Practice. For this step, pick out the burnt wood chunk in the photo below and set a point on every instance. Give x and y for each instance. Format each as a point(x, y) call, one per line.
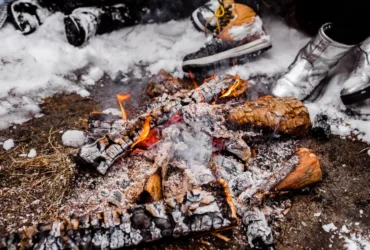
point(285, 115)
point(204, 209)
point(164, 82)
point(306, 173)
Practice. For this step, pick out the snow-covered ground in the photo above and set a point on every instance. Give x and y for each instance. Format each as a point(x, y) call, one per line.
point(42, 64)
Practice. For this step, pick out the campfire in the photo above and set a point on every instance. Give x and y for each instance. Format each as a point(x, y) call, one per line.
point(199, 159)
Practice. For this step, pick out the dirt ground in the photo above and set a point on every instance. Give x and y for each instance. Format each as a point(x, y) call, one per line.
point(344, 191)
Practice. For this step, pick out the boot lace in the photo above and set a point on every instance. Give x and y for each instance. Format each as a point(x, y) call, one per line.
point(222, 15)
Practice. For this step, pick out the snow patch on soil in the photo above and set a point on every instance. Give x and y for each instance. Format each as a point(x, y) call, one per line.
point(329, 227)
point(8, 144)
point(357, 242)
point(73, 138)
point(32, 153)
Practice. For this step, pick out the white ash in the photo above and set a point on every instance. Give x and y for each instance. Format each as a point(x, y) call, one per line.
point(257, 228)
point(8, 144)
point(73, 138)
point(272, 153)
point(228, 167)
point(120, 187)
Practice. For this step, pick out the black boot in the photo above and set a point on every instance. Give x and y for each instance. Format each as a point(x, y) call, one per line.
point(83, 23)
point(27, 16)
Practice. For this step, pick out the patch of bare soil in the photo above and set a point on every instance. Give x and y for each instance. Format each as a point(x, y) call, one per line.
point(32, 190)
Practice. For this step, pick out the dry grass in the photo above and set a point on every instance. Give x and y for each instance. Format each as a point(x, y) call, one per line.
point(37, 185)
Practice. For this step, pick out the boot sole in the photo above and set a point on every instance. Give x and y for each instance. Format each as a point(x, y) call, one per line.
point(73, 32)
point(238, 55)
point(356, 97)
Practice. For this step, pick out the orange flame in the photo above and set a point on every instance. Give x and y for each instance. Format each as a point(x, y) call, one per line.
point(144, 132)
point(121, 98)
point(193, 79)
point(231, 88)
point(210, 78)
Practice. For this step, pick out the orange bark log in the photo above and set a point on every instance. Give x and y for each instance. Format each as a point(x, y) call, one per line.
point(284, 115)
point(307, 172)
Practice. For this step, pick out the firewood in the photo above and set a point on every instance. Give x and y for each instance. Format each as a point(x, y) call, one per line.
point(164, 82)
point(284, 115)
point(306, 173)
point(207, 209)
point(102, 153)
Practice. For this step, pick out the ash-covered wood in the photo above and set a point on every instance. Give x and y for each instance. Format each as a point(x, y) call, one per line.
point(100, 124)
point(285, 115)
point(102, 153)
point(164, 82)
point(201, 210)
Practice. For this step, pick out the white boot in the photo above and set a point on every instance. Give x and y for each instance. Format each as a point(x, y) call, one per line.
point(311, 66)
point(357, 87)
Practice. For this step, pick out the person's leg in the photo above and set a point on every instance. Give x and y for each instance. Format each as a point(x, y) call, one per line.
point(322, 53)
point(355, 30)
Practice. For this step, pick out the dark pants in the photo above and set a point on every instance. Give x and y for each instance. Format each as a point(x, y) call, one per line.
point(350, 18)
point(140, 11)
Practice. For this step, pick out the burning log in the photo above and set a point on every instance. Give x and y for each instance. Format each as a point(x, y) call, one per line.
point(201, 210)
point(286, 115)
point(164, 82)
point(102, 153)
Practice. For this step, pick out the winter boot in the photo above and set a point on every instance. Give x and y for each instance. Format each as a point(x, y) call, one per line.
point(27, 15)
point(205, 17)
point(84, 23)
point(357, 87)
point(311, 66)
point(239, 37)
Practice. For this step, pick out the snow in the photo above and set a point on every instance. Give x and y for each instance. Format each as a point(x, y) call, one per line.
point(357, 242)
point(43, 64)
point(73, 138)
point(329, 227)
point(344, 229)
point(368, 152)
point(32, 153)
point(8, 144)
point(317, 214)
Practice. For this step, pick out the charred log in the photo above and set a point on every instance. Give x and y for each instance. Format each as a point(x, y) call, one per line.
point(201, 210)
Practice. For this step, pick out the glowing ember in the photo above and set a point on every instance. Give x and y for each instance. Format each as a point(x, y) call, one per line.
point(144, 132)
point(121, 98)
point(193, 79)
point(175, 119)
point(231, 89)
